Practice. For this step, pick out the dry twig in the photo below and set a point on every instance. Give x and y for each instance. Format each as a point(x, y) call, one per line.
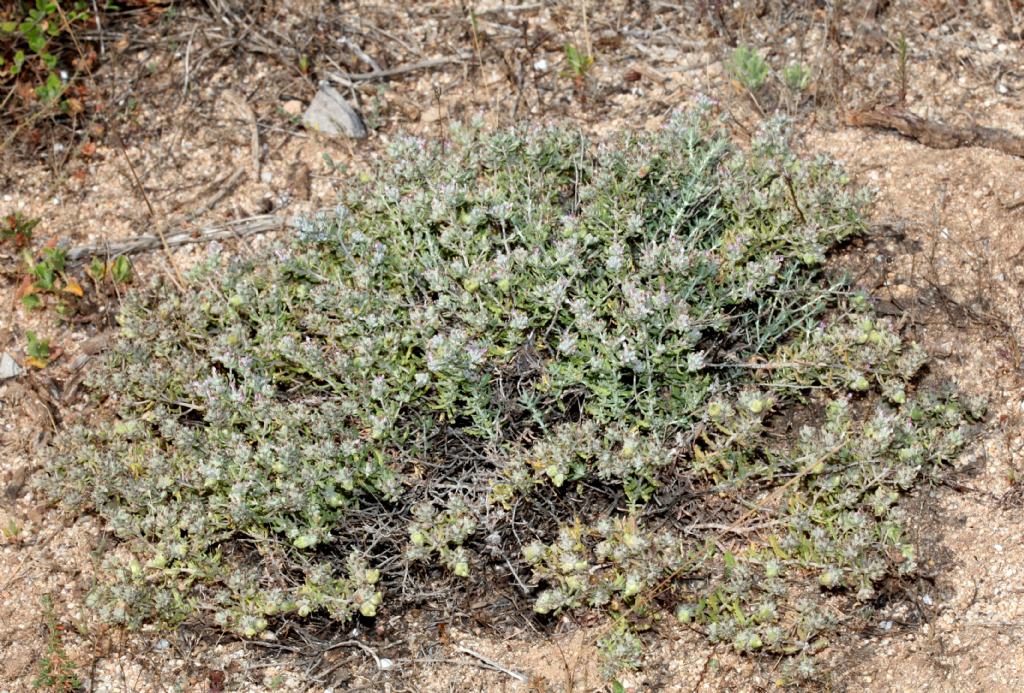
point(491, 663)
point(395, 71)
point(241, 228)
point(175, 275)
point(937, 135)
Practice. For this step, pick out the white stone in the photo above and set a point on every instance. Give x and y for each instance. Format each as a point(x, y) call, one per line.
point(9, 368)
point(332, 115)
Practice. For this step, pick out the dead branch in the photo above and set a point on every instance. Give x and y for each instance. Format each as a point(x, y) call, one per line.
point(394, 72)
point(937, 135)
point(493, 664)
point(241, 228)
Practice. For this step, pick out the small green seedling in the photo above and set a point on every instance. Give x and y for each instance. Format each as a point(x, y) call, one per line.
point(118, 270)
point(50, 90)
point(56, 671)
point(38, 350)
point(121, 270)
point(32, 301)
point(796, 77)
point(17, 229)
point(97, 269)
point(749, 68)
point(11, 530)
point(46, 272)
point(579, 63)
point(48, 276)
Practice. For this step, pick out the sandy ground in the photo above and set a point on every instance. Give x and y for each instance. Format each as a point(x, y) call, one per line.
point(945, 250)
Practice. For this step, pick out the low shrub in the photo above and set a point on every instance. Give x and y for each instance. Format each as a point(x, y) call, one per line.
point(617, 376)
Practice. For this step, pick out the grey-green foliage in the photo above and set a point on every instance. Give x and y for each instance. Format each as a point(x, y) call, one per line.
point(493, 358)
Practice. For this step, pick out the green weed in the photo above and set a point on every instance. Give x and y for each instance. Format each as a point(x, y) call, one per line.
point(47, 276)
point(578, 62)
point(749, 68)
point(56, 672)
point(37, 349)
point(796, 77)
point(33, 37)
point(17, 229)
